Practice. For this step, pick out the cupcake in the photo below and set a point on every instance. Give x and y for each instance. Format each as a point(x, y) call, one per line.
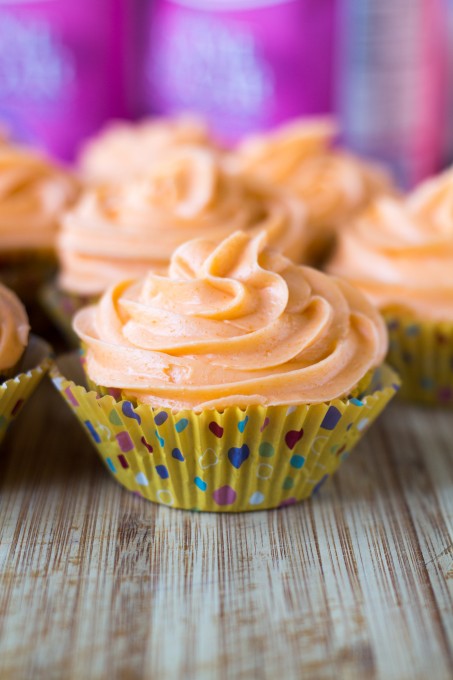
point(124, 149)
point(23, 360)
point(333, 184)
point(117, 232)
point(238, 381)
point(33, 194)
point(400, 254)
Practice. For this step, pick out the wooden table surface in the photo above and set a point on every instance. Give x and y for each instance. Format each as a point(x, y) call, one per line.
point(96, 583)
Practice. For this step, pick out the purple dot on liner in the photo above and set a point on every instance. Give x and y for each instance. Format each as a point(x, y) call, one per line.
point(200, 484)
point(331, 418)
point(288, 501)
point(407, 357)
point(162, 471)
point(125, 442)
point(128, 410)
point(445, 394)
point(225, 495)
point(17, 407)
point(176, 453)
point(92, 431)
point(123, 461)
point(160, 418)
point(349, 426)
point(71, 397)
point(109, 462)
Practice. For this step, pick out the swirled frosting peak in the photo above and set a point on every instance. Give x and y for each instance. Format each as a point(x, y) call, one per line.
point(231, 324)
point(14, 328)
point(118, 231)
point(299, 157)
point(400, 252)
point(33, 194)
point(123, 149)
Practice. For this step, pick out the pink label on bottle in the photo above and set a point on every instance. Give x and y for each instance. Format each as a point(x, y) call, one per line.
point(61, 73)
point(244, 65)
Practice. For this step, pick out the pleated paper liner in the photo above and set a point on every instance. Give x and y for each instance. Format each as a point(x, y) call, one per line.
point(61, 307)
point(236, 460)
point(14, 392)
point(422, 353)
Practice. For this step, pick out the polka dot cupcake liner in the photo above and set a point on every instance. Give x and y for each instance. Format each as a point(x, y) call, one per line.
point(236, 460)
point(14, 392)
point(61, 308)
point(422, 353)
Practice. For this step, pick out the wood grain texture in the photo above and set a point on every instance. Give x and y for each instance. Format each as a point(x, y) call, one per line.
point(96, 583)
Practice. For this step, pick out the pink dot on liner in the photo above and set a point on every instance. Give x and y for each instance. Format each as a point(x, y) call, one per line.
point(224, 495)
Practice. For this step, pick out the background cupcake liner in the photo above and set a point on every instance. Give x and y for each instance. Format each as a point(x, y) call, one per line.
point(14, 392)
point(422, 353)
point(239, 459)
point(61, 308)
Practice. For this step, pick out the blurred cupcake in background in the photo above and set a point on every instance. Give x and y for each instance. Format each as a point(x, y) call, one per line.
point(124, 149)
point(246, 376)
point(400, 254)
point(119, 231)
point(23, 358)
point(33, 194)
point(333, 184)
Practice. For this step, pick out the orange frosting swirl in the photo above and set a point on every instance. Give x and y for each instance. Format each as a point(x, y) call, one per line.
point(299, 157)
point(14, 328)
point(400, 252)
point(232, 324)
point(123, 149)
point(33, 193)
point(121, 231)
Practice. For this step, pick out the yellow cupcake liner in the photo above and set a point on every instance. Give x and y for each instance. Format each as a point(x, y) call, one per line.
point(14, 392)
point(236, 460)
point(61, 307)
point(422, 353)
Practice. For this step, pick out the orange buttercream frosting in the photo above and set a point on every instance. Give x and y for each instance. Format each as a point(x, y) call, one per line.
point(123, 149)
point(14, 328)
point(400, 252)
point(33, 193)
point(121, 231)
point(299, 156)
point(232, 324)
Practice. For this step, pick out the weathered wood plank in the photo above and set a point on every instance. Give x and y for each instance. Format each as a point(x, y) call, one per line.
point(357, 583)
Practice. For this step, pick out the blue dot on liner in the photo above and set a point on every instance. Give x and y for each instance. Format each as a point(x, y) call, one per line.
point(161, 439)
point(176, 453)
point(412, 331)
point(356, 402)
point(111, 466)
point(128, 410)
point(331, 418)
point(181, 425)
point(349, 426)
point(297, 462)
point(92, 431)
point(200, 484)
point(162, 471)
point(160, 418)
point(427, 383)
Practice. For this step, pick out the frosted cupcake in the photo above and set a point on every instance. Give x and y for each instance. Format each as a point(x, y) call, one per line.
point(23, 360)
point(124, 149)
point(228, 383)
point(121, 231)
point(400, 254)
point(33, 194)
point(334, 185)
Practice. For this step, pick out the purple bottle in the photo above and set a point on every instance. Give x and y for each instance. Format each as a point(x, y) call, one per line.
point(390, 77)
point(61, 69)
point(244, 64)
